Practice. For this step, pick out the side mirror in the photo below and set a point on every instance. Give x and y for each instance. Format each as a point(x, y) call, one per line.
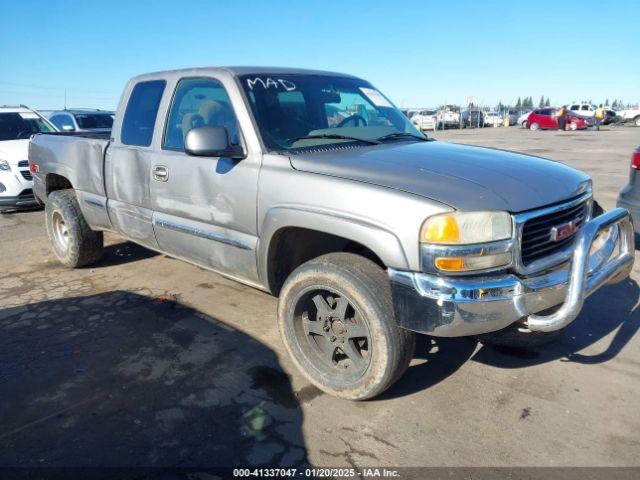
point(67, 128)
point(211, 141)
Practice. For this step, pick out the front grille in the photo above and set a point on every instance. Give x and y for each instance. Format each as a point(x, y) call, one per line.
point(26, 174)
point(536, 232)
point(23, 164)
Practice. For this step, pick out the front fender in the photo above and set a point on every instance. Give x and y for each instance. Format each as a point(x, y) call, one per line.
point(377, 238)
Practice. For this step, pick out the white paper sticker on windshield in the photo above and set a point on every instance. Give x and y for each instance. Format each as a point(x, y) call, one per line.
point(28, 115)
point(376, 97)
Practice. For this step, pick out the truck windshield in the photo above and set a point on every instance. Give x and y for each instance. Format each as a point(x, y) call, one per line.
point(99, 120)
point(295, 112)
point(21, 125)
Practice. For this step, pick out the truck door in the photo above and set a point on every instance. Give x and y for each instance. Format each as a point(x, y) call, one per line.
point(128, 163)
point(205, 207)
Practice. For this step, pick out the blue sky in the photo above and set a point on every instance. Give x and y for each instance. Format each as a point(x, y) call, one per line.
point(419, 53)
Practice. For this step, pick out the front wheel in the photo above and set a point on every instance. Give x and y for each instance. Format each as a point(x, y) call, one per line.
point(336, 319)
point(573, 126)
point(72, 240)
point(636, 121)
point(534, 126)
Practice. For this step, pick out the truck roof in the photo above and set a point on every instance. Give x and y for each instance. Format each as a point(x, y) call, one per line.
point(238, 70)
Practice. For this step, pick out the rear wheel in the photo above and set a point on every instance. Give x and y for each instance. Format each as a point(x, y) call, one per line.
point(336, 320)
point(71, 238)
point(573, 126)
point(636, 121)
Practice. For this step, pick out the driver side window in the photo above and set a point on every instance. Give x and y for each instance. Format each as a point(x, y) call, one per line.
point(198, 102)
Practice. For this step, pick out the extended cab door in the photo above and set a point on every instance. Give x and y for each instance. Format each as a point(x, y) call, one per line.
point(128, 162)
point(205, 207)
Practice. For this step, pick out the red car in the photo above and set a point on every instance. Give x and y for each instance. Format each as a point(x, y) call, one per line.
point(545, 118)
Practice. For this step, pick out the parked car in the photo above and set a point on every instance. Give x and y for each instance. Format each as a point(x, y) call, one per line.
point(448, 117)
point(82, 120)
point(629, 196)
point(492, 119)
point(583, 109)
point(472, 118)
point(515, 113)
point(425, 120)
point(522, 119)
point(410, 112)
point(630, 115)
point(367, 230)
point(611, 117)
point(546, 118)
point(17, 124)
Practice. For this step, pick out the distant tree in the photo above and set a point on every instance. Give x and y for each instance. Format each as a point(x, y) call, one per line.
point(547, 103)
point(519, 103)
point(529, 102)
point(541, 103)
point(606, 102)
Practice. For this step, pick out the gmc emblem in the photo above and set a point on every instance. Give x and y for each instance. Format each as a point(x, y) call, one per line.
point(563, 231)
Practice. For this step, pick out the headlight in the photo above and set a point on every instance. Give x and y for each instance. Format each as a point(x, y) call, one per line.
point(453, 242)
point(4, 165)
point(465, 228)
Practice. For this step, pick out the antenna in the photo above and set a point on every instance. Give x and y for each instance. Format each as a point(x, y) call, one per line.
point(65, 98)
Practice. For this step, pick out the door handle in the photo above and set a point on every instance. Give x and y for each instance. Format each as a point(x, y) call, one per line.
point(160, 173)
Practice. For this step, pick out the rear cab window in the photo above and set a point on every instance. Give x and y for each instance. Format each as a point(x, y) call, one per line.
point(141, 112)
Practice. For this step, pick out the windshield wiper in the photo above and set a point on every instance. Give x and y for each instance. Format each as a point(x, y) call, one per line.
point(335, 136)
point(402, 134)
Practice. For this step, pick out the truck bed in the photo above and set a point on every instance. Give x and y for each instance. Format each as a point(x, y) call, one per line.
point(79, 157)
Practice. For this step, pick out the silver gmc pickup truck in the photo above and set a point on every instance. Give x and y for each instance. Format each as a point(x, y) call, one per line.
point(313, 186)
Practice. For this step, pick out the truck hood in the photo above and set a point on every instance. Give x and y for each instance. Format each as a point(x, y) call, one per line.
point(463, 177)
point(14, 150)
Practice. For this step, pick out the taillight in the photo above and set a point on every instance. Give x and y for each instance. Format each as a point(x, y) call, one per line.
point(635, 159)
point(33, 168)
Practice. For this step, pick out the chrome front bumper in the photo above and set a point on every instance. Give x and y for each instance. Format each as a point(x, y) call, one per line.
point(461, 306)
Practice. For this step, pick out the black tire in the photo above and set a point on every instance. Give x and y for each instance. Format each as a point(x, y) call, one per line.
point(351, 280)
point(72, 240)
point(517, 335)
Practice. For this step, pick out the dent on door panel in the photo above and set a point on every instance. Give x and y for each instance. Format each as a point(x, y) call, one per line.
point(231, 253)
point(133, 222)
point(127, 172)
point(129, 176)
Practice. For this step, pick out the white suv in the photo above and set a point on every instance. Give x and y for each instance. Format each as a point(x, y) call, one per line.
point(584, 109)
point(17, 124)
